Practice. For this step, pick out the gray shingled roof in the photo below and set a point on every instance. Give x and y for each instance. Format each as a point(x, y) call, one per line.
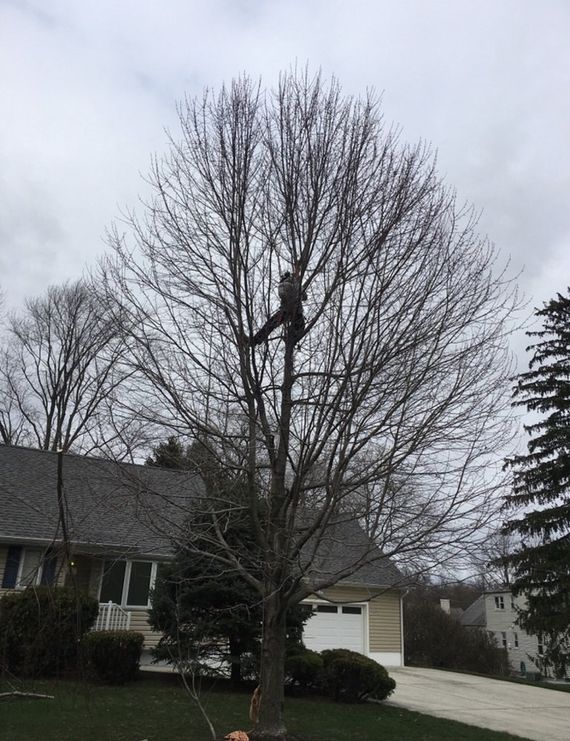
point(118, 507)
point(343, 545)
point(122, 508)
point(474, 615)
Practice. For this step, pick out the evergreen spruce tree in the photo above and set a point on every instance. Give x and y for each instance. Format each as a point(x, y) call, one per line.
point(171, 454)
point(207, 613)
point(541, 488)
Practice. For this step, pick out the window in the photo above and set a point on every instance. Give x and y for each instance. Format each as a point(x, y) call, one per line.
point(29, 570)
point(352, 610)
point(503, 639)
point(516, 639)
point(27, 567)
point(139, 583)
point(127, 583)
point(327, 608)
point(113, 582)
point(499, 603)
point(540, 647)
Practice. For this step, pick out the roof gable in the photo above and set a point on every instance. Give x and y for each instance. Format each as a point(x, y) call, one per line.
point(474, 615)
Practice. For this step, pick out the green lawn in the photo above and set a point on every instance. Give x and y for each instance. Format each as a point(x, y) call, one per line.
point(156, 708)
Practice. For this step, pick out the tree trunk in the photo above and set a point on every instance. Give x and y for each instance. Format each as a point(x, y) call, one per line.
point(271, 726)
point(235, 660)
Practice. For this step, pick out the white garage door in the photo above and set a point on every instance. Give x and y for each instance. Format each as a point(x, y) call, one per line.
point(335, 626)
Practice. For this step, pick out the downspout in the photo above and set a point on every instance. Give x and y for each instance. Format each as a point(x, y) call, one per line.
point(402, 624)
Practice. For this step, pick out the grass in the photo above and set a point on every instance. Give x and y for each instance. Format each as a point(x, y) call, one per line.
point(156, 708)
point(542, 683)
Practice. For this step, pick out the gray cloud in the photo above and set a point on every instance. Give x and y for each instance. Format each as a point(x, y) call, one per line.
point(89, 88)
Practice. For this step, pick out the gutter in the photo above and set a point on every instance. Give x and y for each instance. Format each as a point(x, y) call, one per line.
point(87, 548)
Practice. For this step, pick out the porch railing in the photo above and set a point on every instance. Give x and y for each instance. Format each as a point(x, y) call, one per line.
point(112, 617)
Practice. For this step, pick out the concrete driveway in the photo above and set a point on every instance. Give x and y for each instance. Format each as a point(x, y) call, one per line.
point(530, 712)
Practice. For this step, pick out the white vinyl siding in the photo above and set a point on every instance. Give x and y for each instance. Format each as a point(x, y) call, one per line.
point(522, 648)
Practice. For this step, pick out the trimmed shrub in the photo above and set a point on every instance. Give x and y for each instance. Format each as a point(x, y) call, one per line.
point(40, 630)
point(352, 677)
point(113, 656)
point(304, 668)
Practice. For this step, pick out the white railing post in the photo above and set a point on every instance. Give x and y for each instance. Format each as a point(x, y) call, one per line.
point(109, 610)
point(112, 617)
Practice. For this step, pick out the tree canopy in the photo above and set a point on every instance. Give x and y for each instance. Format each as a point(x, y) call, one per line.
point(541, 486)
point(373, 392)
point(60, 371)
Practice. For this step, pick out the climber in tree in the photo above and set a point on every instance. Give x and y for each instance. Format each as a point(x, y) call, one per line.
point(291, 297)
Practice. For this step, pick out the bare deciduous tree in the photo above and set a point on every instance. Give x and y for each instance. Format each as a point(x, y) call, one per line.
point(10, 422)
point(489, 561)
point(59, 370)
point(12, 427)
point(376, 397)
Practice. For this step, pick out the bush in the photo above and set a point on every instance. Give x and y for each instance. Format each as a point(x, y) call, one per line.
point(113, 656)
point(351, 677)
point(40, 630)
point(304, 668)
point(434, 638)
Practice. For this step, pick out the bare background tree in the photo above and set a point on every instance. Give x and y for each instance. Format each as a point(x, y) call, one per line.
point(489, 560)
point(10, 423)
point(387, 412)
point(12, 428)
point(60, 372)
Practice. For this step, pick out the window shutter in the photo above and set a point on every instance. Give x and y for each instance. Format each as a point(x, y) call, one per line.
point(11, 567)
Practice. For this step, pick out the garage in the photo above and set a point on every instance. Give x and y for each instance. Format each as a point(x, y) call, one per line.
point(336, 626)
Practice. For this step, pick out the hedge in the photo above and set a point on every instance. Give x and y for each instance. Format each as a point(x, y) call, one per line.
point(113, 656)
point(40, 630)
point(304, 668)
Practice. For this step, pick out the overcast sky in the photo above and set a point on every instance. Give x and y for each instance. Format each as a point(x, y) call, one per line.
point(89, 87)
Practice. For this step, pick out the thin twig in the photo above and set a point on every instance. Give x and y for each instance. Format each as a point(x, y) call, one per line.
point(30, 695)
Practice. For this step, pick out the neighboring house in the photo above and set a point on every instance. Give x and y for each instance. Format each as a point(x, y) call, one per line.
point(445, 605)
point(122, 520)
point(496, 611)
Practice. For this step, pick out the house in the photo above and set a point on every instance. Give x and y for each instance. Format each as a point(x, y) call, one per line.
point(121, 519)
point(111, 512)
point(496, 611)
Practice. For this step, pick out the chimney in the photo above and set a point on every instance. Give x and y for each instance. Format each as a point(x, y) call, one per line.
point(445, 605)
